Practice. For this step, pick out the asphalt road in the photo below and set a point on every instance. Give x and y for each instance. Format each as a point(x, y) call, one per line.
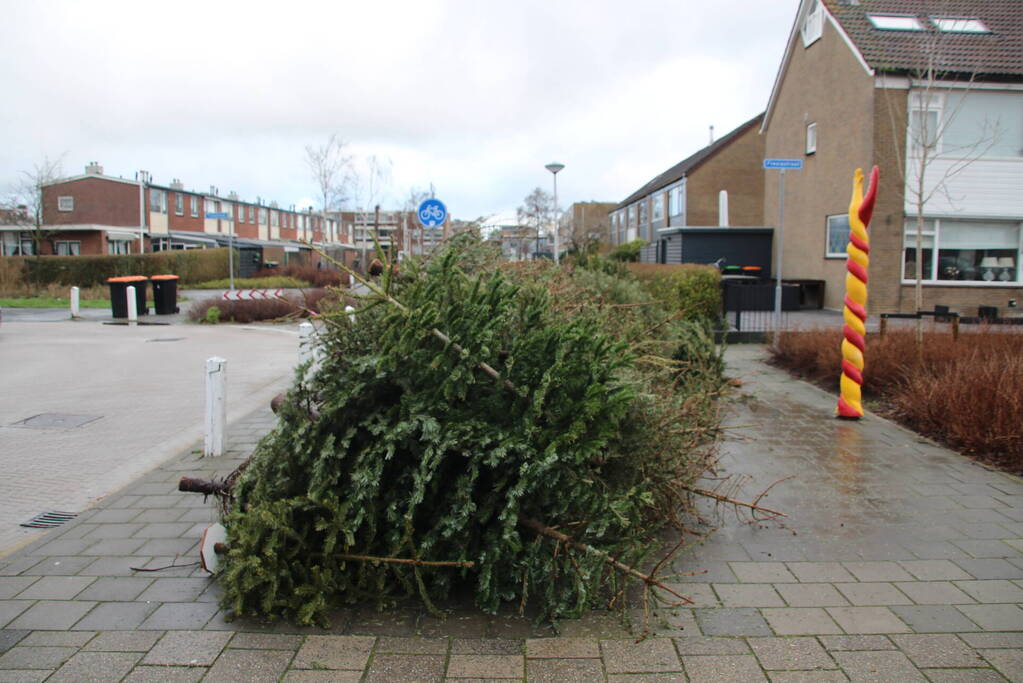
point(141, 387)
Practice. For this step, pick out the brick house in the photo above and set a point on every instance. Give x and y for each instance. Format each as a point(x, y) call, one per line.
point(586, 222)
point(687, 194)
point(855, 89)
point(99, 214)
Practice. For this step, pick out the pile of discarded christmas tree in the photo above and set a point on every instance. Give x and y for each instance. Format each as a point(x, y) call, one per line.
point(527, 432)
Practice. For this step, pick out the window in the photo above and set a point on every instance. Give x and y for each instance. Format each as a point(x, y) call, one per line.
point(891, 22)
point(923, 130)
point(68, 247)
point(119, 247)
point(179, 204)
point(241, 213)
point(632, 216)
point(964, 251)
point(194, 205)
point(65, 203)
point(960, 25)
point(675, 201)
point(275, 219)
point(262, 216)
point(252, 214)
point(811, 138)
point(813, 23)
point(837, 236)
point(643, 212)
point(658, 210)
point(158, 201)
point(989, 124)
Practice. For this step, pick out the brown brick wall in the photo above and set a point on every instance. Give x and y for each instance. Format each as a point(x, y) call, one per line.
point(92, 241)
point(185, 222)
point(824, 84)
point(736, 168)
point(97, 200)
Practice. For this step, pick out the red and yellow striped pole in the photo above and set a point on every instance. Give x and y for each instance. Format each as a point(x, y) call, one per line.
point(854, 331)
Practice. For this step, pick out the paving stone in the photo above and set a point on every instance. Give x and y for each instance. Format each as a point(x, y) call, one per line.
point(165, 674)
point(748, 595)
point(649, 656)
point(265, 641)
point(57, 638)
point(934, 570)
point(933, 593)
point(114, 566)
point(64, 565)
point(987, 549)
point(251, 666)
point(180, 615)
point(1008, 662)
point(486, 646)
point(411, 646)
point(115, 588)
point(113, 546)
point(800, 621)
point(935, 619)
point(881, 666)
point(994, 617)
point(735, 621)
point(64, 546)
point(873, 594)
point(988, 591)
point(162, 515)
point(991, 568)
point(56, 588)
point(935, 550)
point(964, 676)
point(560, 670)
point(878, 571)
point(486, 666)
point(458, 625)
point(938, 651)
point(116, 616)
point(863, 620)
point(762, 572)
point(807, 677)
point(562, 648)
point(35, 657)
point(334, 652)
point(810, 595)
point(10, 609)
point(703, 571)
point(720, 668)
point(96, 666)
point(856, 643)
point(819, 572)
point(52, 614)
point(170, 547)
point(187, 648)
point(123, 641)
point(12, 585)
point(701, 645)
point(593, 625)
point(11, 637)
point(993, 640)
point(175, 590)
point(113, 516)
point(790, 654)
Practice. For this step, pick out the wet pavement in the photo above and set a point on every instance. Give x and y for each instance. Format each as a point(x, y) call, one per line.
point(898, 561)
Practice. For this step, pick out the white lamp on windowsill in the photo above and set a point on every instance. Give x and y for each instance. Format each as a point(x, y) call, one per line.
point(1007, 263)
point(989, 264)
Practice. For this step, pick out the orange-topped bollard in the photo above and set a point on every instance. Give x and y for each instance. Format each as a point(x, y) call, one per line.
point(854, 331)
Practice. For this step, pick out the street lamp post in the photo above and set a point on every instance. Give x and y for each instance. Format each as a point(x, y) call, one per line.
point(554, 168)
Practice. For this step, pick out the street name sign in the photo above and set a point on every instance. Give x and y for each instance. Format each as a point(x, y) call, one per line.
point(796, 164)
point(218, 215)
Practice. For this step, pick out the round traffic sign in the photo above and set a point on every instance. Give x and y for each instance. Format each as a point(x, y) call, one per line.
point(432, 213)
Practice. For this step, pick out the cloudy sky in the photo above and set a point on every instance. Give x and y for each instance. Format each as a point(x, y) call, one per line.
point(472, 96)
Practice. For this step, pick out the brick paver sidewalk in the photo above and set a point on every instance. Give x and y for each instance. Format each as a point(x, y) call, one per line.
point(899, 561)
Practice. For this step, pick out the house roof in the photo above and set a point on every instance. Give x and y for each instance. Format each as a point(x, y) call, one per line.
point(689, 164)
point(998, 53)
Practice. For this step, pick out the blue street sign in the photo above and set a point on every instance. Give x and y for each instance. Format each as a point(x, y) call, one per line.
point(218, 215)
point(432, 213)
point(783, 163)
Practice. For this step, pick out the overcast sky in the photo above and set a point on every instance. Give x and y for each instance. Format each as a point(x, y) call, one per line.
point(472, 96)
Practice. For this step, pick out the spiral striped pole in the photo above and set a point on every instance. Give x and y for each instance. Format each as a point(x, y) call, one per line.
point(854, 331)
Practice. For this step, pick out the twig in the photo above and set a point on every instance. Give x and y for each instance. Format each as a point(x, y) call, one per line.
point(733, 501)
point(403, 560)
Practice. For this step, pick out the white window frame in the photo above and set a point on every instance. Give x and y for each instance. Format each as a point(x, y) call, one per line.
point(252, 214)
point(157, 201)
point(66, 203)
point(657, 210)
point(811, 138)
point(830, 223)
point(179, 204)
point(959, 25)
point(193, 205)
point(895, 22)
point(812, 26)
point(932, 231)
point(241, 213)
point(119, 247)
point(72, 247)
point(262, 216)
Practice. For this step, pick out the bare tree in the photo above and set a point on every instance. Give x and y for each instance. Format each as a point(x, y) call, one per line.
point(27, 192)
point(584, 234)
point(535, 212)
point(330, 165)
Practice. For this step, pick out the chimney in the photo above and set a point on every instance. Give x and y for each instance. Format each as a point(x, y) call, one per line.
point(213, 191)
point(712, 135)
point(93, 169)
point(176, 184)
point(233, 196)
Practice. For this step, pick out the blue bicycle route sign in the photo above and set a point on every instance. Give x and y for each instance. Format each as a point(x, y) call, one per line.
point(432, 213)
point(783, 163)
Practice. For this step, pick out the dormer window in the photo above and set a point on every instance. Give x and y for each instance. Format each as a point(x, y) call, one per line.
point(813, 23)
point(891, 22)
point(960, 25)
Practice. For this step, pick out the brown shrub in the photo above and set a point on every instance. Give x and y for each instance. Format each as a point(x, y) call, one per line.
point(316, 277)
point(288, 307)
point(964, 393)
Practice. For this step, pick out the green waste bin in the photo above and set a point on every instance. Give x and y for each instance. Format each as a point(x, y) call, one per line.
point(165, 293)
point(119, 294)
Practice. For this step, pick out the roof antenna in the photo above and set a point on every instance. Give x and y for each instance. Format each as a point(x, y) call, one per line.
point(712, 134)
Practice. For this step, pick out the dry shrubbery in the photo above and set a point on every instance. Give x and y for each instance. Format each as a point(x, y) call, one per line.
point(289, 307)
point(316, 277)
point(965, 393)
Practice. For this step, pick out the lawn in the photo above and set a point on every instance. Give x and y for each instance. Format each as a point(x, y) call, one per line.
point(47, 302)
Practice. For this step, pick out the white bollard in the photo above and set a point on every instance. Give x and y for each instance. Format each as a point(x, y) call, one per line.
point(216, 407)
point(75, 302)
point(351, 314)
point(305, 343)
point(133, 311)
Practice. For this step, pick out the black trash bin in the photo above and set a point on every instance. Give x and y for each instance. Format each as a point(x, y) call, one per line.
point(119, 294)
point(165, 293)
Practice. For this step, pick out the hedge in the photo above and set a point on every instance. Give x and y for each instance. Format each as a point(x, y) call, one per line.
point(693, 288)
point(192, 265)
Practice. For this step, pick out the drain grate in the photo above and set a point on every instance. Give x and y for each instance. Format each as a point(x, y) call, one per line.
point(56, 421)
point(49, 520)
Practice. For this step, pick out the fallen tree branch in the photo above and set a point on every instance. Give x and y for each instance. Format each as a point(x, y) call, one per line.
point(733, 501)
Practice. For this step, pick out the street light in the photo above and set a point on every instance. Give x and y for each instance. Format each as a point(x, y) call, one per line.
point(554, 168)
